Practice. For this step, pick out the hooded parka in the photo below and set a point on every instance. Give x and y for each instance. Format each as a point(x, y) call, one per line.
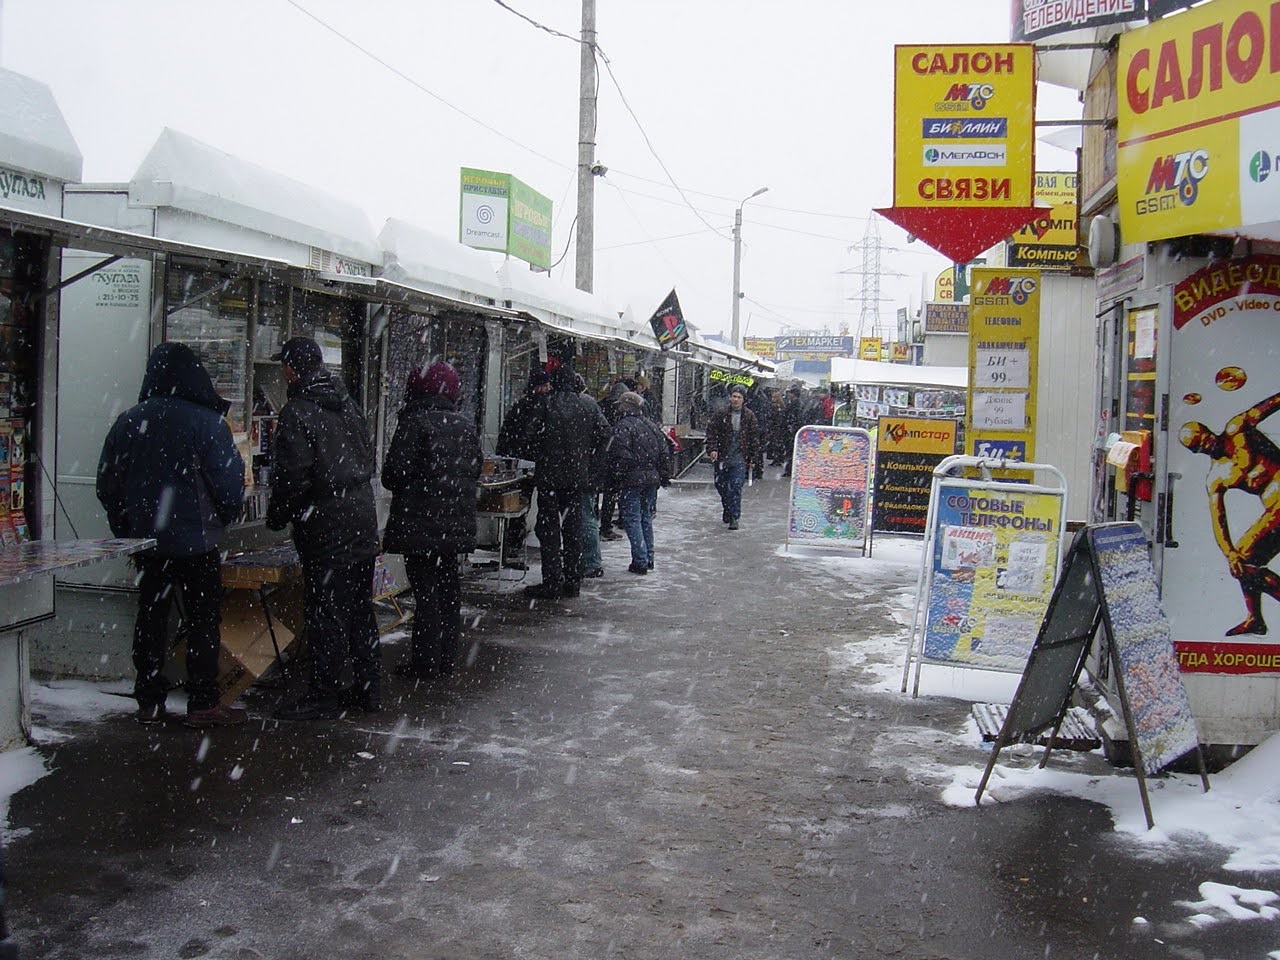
point(169, 468)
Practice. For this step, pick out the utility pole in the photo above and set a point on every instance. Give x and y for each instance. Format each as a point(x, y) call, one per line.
point(737, 267)
point(585, 251)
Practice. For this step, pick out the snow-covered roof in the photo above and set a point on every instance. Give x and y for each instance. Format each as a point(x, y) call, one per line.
point(566, 307)
point(185, 174)
point(720, 352)
point(850, 370)
point(33, 134)
point(428, 261)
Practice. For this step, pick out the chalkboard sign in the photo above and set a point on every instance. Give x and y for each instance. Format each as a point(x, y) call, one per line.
point(1044, 693)
point(1108, 581)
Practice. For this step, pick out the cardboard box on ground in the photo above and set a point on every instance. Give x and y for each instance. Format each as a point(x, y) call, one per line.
point(246, 652)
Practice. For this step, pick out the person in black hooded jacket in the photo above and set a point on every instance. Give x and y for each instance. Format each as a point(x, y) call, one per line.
point(320, 483)
point(431, 469)
point(170, 470)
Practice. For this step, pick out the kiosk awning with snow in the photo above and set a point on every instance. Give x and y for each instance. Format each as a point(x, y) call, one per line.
point(34, 136)
point(851, 370)
point(554, 305)
point(436, 264)
point(207, 197)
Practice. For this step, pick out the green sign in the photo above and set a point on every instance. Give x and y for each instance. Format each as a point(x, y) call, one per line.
point(499, 212)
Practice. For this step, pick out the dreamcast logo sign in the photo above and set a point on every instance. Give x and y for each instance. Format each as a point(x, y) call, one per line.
point(484, 214)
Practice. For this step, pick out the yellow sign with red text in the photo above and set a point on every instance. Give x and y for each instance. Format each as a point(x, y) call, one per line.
point(869, 348)
point(963, 125)
point(1198, 114)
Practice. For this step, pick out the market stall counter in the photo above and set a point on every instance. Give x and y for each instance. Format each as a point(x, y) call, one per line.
point(26, 598)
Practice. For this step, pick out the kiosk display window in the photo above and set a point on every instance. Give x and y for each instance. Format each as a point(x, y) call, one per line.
point(210, 313)
point(20, 257)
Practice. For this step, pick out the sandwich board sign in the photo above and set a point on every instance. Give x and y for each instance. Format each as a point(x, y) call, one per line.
point(1108, 585)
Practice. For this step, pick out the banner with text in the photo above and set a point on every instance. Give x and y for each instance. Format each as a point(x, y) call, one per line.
point(1198, 114)
point(1004, 337)
point(963, 125)
point(907, 450)
point(1050, 241)
point(994, 563)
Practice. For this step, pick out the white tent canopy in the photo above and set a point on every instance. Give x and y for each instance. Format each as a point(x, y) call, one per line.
point(435, 264)
point(849, 370)
point(33, 134)
point(184, 174)
point(552, 303)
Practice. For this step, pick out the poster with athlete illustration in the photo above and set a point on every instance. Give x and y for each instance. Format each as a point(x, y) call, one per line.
point(830, 468)
point(1222, 581)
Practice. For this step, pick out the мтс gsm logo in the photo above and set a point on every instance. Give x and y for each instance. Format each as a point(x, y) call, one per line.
point(1174, 175)
point(978, 94)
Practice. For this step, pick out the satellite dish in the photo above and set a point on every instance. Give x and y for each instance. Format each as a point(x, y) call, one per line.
point(1104, 241)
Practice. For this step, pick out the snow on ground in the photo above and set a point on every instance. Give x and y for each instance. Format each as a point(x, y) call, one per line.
point(1240, 814)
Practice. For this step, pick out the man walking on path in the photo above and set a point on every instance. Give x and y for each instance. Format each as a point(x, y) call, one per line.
point(170, 471)
point(566, 433)
point(733, 446)
point(639, 461)
point(320, 484)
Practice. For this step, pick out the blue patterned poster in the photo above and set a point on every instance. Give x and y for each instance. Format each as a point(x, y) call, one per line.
point(829, 475)
point(1153, 686)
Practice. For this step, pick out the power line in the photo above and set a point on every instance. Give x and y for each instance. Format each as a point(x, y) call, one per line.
point(540, 26)
point(638, 243)
point(431, 93)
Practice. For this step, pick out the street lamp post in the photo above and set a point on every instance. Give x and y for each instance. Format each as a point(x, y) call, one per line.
point(737, 264)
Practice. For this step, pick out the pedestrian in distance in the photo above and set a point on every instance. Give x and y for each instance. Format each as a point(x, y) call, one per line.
point(759, 404)
point(320, 484)
point(733, 447)
point(169, 471)
point(566, 433)
point(639, 458)
point(794, 416)
point(431, 469)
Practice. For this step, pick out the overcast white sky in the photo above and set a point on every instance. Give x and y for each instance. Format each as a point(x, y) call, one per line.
point(733, 94)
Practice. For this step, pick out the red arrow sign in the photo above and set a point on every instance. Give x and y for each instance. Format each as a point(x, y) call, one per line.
point(960, 233)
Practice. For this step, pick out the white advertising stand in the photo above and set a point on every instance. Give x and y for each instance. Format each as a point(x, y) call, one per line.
point(991, 557)
point(829, 502)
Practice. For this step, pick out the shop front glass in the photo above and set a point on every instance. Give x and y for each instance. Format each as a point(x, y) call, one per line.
point(418, 340)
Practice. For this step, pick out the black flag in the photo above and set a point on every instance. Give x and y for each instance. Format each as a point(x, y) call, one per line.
point(668, 323)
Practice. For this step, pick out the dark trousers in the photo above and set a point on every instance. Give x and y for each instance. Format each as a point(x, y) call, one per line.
point(338, 611)
point(200, 580)
point(559, 530)
point(730, 476)
point(437, 611)
point(608, 509)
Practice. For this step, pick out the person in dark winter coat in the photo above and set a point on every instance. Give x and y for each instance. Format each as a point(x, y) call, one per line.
point(639, 458)
point(612, 410)
point(567, 433)
point(170, 470)
point(592, 563)
point(733, 447)
point(323, 462)
point(512, 438)
point(794, 416)
point(431, 469)
point(760, 404)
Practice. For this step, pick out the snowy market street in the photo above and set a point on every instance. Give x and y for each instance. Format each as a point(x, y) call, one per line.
point(711, 761)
